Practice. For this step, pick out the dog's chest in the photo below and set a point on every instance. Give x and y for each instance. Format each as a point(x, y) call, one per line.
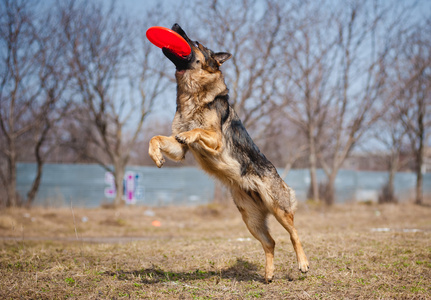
point(186, 125)
point(198, 117)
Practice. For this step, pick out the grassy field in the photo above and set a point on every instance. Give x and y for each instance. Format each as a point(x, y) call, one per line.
point(355, 251)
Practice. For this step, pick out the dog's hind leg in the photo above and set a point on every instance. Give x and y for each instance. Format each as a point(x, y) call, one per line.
point(286, 220)
point(255, 216)
point(167, 145)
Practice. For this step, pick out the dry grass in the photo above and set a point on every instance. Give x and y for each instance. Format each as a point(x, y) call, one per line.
point(207, 253)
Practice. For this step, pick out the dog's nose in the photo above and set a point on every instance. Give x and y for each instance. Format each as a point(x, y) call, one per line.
point(176, 27)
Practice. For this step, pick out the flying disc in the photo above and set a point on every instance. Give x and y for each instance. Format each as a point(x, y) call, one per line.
point(166, 38)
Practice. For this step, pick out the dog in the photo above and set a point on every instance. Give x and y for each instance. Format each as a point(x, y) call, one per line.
point(206, 125)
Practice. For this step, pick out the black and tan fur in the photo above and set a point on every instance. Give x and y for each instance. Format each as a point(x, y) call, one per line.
point(207, 126)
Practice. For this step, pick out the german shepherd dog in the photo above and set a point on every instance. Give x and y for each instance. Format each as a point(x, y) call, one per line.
point(207, 126)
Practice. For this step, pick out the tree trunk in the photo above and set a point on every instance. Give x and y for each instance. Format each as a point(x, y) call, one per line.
point(420, 152)
point(392, 172)
point(12, 200)
point(36, 183)
point(419, 183)
point(387, 194)
point(419, 175)
point(39, 160)
point(119, 172)
point(313, 166)
point(330, 189)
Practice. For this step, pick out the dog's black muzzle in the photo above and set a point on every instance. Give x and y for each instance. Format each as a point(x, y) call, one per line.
point(180, 62)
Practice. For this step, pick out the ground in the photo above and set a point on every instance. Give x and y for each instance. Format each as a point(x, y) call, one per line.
point(355, 251)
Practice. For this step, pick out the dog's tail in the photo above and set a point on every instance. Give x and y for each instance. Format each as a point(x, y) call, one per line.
point(293, 203)
point(277, 194)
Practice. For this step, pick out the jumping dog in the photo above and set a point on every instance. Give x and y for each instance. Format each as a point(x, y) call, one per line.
point(206, 125)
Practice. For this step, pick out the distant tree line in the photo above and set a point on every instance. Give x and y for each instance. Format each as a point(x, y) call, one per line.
point(311, 80)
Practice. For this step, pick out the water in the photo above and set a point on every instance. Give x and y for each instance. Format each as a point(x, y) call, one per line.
point(90, 185)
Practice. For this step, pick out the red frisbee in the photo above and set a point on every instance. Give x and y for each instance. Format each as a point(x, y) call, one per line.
point(166, 38)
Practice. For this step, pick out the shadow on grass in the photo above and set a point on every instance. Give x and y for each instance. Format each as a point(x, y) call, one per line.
point(242, 270)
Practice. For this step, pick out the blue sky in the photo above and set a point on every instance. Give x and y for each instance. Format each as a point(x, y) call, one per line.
point(138, 7)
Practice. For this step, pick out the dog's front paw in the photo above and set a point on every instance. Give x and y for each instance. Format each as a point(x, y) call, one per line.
point(160, 162)
point(158, 158)
point(155, 153)
point(183, 138)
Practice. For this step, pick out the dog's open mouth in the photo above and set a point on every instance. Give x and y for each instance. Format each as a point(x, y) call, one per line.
point(181, 62)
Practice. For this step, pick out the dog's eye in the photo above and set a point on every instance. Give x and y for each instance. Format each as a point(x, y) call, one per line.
point(198, 62)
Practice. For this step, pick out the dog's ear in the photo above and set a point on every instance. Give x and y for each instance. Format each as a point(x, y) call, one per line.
point(221, 57)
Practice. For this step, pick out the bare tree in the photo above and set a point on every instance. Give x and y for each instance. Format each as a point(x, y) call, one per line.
point(390, 133)
point(334, 76)
point(362, 44)
point(115, 86)
point(54, 83)
point(396, 130)
point(30, 90)
point(17, 65)
point(413, 97)
point(309, 59)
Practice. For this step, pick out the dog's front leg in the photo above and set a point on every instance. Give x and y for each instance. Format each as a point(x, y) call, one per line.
point(209, 140)
point(167, 145)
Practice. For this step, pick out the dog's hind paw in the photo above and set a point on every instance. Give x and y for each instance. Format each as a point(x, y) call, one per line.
point(304, 266)
point(268, 280)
